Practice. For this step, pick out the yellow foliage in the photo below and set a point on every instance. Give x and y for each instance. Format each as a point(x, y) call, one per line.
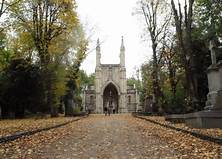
point(23, 44)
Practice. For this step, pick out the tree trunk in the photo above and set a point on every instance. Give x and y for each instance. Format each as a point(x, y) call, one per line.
point(5, 113)
point(48, 76)
point(172, 77)
point(69, 107)
point(20, 111)
point(156, 85)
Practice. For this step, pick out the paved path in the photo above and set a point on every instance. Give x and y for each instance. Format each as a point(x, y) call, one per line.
point(115, 136)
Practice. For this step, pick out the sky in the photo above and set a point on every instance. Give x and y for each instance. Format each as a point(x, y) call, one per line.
point(109, 20)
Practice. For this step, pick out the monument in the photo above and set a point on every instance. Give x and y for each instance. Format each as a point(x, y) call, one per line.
point(110, 87)
point(211, 116)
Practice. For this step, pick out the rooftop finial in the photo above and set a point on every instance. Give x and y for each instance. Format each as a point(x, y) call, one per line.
point(122, 53)
point(98, 54)
point(122, 43)
point(98, 43)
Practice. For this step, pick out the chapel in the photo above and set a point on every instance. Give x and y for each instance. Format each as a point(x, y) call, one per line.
point(110, 88)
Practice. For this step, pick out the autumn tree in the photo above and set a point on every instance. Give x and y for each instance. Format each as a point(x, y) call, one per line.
point(183, 24)
point(157, 22)
point(146, 86)
point(45, 22)
point(172, 75)
point(170, 62)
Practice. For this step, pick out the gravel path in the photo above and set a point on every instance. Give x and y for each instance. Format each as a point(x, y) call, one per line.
point(115, 136)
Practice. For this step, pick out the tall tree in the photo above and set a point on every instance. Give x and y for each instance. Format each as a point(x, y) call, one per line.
point(153, 11)
point(183, 23)
point(45, 22)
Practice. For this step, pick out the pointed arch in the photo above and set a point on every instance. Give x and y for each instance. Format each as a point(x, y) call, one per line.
point(114, 84)
point(110, 96)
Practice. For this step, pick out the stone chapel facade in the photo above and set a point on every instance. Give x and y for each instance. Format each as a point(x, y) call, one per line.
point(110, 87)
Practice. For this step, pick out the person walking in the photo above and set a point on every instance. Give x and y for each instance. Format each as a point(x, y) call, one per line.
point(109, 110)
point(105, 110)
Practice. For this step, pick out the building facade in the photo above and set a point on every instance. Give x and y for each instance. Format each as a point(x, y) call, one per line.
point(110, 88)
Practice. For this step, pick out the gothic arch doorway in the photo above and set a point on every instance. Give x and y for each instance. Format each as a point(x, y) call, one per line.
point(111, 98)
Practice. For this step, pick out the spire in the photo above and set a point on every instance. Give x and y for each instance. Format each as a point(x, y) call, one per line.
point(122, 53)
point(98, 44)
point(122, 44)
point(98, 54)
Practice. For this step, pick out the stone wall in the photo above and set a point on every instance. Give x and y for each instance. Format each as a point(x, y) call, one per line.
point(90, 100)
point(131, 100)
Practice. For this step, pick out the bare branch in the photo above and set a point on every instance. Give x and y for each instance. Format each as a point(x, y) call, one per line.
point(7, 6)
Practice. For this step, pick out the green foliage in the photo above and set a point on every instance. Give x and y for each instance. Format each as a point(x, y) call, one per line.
point(78, 100)
point(77, 110)
point(146, 73)
point(21, 88)
point(208, 16)
point(47, 48)
point(146, 87)
point(73, 76)
point(171, 102)
point(85, 79)
point(5, 53)
point(175, 104)
point(74, 69)
point(132, 81)
point(58, 79)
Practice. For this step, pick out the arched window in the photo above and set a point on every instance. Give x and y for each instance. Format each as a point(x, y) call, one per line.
point(129, 99)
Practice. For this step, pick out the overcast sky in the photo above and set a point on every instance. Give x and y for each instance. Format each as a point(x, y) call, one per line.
point(111, 20)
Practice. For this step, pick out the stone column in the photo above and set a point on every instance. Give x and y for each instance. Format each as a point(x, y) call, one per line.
point(98, 83)
point(123, 91)
point(99, 104)
point(122, 103)
point(137, 101)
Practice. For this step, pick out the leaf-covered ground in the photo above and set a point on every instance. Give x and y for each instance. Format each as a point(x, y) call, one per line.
point(188, 145)
point(117, 136)
point(9, 127)
point(23, 147)
point(210, 132)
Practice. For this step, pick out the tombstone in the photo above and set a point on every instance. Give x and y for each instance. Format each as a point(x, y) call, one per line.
point(211, 116)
